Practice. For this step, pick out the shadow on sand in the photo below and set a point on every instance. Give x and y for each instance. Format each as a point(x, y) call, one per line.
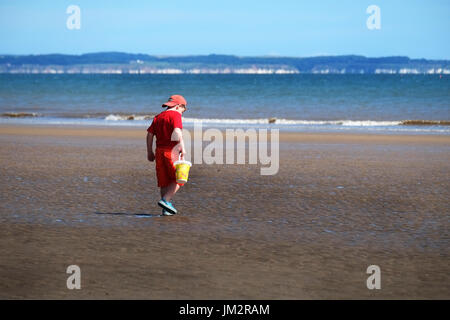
point(138, 215)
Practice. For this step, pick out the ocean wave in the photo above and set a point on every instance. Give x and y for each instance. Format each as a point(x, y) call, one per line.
point(18, 114)
point(281, 124)
point(345, 123)
point(120, 117)
point(124, 117)
point(425, 123)
point(358, 123)
point(350, 123)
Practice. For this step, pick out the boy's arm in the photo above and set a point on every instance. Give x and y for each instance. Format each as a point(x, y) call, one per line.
point(150, 154)
point(178, 135)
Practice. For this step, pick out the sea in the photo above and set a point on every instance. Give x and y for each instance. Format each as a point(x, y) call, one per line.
point(361, 103)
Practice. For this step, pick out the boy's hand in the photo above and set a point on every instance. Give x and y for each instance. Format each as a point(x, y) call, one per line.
point(150, 156)
point(182, 154)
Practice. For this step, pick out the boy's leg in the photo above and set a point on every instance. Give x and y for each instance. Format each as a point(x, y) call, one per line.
point(169, 191)
point(163, 191)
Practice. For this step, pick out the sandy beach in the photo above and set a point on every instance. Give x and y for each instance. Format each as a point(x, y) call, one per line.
point(87, 196)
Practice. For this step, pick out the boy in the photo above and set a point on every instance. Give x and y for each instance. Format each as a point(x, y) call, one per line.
point(167, 127)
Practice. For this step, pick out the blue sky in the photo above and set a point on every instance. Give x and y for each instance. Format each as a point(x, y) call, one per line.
point(414, 28)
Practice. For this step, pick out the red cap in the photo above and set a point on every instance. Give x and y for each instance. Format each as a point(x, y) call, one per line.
point(174, 100)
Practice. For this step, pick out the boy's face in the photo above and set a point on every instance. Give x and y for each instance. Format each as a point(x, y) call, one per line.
point(181, 108)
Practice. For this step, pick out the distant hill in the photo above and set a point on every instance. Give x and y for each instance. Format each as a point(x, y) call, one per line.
point(119, 62)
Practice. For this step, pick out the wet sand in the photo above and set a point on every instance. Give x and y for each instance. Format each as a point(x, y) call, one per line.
point(339, 203)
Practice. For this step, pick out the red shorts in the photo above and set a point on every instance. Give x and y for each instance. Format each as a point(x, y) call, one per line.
point(165, 170)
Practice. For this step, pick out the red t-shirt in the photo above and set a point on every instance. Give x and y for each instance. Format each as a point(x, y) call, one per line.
point(162, 127)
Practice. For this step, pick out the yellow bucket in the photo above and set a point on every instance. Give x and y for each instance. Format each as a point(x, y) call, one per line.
point(182, 170)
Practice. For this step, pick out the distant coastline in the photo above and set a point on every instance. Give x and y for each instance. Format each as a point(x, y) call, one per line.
point(126, 63)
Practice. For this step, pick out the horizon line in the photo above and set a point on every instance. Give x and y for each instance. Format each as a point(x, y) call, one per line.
point(221, 54)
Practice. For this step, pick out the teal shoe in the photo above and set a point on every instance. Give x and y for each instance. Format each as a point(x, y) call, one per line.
point(167, 206)
point(166, 213)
